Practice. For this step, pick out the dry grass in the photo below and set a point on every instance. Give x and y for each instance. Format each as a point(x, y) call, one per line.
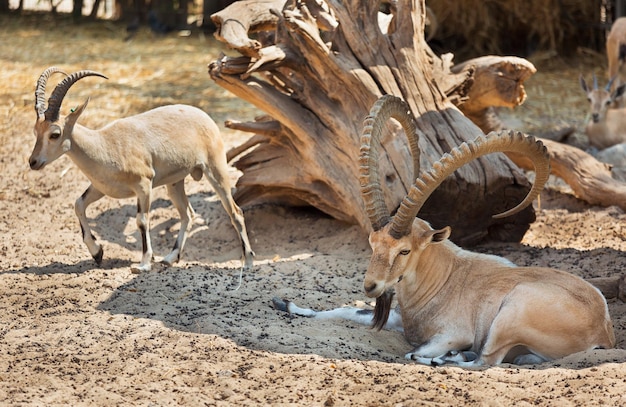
point(519, 26)
point(146, 72)
point(555, 98)
point(149, 71)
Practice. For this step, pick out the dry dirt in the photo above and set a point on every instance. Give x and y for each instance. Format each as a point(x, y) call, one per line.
point(74, 333)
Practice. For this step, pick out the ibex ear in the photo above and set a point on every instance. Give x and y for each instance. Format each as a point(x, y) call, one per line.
point(71, 118)
point(619, 91)
point(583, 84)
point(438, 236)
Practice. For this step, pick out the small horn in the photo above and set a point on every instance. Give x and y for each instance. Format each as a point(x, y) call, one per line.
point(463, 154)
point(595, 82)
point(59, 92)
point(386, 107)
point(40, 90)
point(610, 84)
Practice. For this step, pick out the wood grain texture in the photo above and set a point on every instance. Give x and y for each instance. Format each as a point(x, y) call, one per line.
point(317, 84)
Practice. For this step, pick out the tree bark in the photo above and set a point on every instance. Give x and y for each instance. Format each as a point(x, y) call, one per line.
point(316, 72)
point(77, 10)
point(590, 179)
point(497, 82)
point(93, 15)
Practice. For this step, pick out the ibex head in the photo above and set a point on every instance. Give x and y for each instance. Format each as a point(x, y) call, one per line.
point(393, 256)
point(397, 242)
point(52, 132)
point(601, 100)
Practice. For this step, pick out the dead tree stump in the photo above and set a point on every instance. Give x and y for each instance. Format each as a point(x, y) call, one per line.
point(315, 69)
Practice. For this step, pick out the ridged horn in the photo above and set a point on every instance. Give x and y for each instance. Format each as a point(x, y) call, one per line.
point(493, 142)
point(386, 107)
point(59, 92)
point(40, 90)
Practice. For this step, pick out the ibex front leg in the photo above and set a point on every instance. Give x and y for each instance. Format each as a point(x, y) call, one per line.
point(88, 197)
point(143, 224)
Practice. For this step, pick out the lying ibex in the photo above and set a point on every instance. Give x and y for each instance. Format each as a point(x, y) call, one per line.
point(131, 156)
point(616, 50)
point(607, 126)
point(457, 306)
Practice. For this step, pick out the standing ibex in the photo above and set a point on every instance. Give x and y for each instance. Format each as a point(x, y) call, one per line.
point(607, 126)
point(616, 50)
point(131, 156)
point(457, 306)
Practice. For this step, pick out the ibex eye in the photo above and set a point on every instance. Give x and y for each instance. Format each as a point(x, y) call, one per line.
point(405, 252)
point(55, 135)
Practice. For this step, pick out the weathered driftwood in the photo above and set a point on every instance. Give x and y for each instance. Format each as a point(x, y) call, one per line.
point(590, 179)
point(253, 17)
point(317, 80)
point(497, 82)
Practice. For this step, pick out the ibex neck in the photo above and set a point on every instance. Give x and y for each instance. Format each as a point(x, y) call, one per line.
point(426, 278)
point(608, 131)
point(87, 148)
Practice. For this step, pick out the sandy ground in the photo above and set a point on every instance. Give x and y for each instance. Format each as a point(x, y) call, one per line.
point(75, 333)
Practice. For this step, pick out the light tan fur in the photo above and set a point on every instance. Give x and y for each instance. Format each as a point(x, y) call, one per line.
point(615, 45)
point(607, 125)
point(452, 301)
point(457, 306)
point(130, 156)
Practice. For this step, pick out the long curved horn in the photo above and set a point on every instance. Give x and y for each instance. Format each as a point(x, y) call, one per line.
point(463, 154)
point(56, 98)
point(371, 191)
point(40, 90)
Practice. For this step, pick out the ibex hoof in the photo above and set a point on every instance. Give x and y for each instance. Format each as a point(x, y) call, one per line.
point(280, 304)
point(437, 362)
point(248, 261)
point(140, 268)
point(170, 259)
point(98, 256)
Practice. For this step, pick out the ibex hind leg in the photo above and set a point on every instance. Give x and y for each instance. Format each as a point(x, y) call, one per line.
point(472, 359)
point(358, 315)
point(88, 197)
point(143, 224)
point(458, 358)
point(221, 185)
point(447, 347)
point(179, 198)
